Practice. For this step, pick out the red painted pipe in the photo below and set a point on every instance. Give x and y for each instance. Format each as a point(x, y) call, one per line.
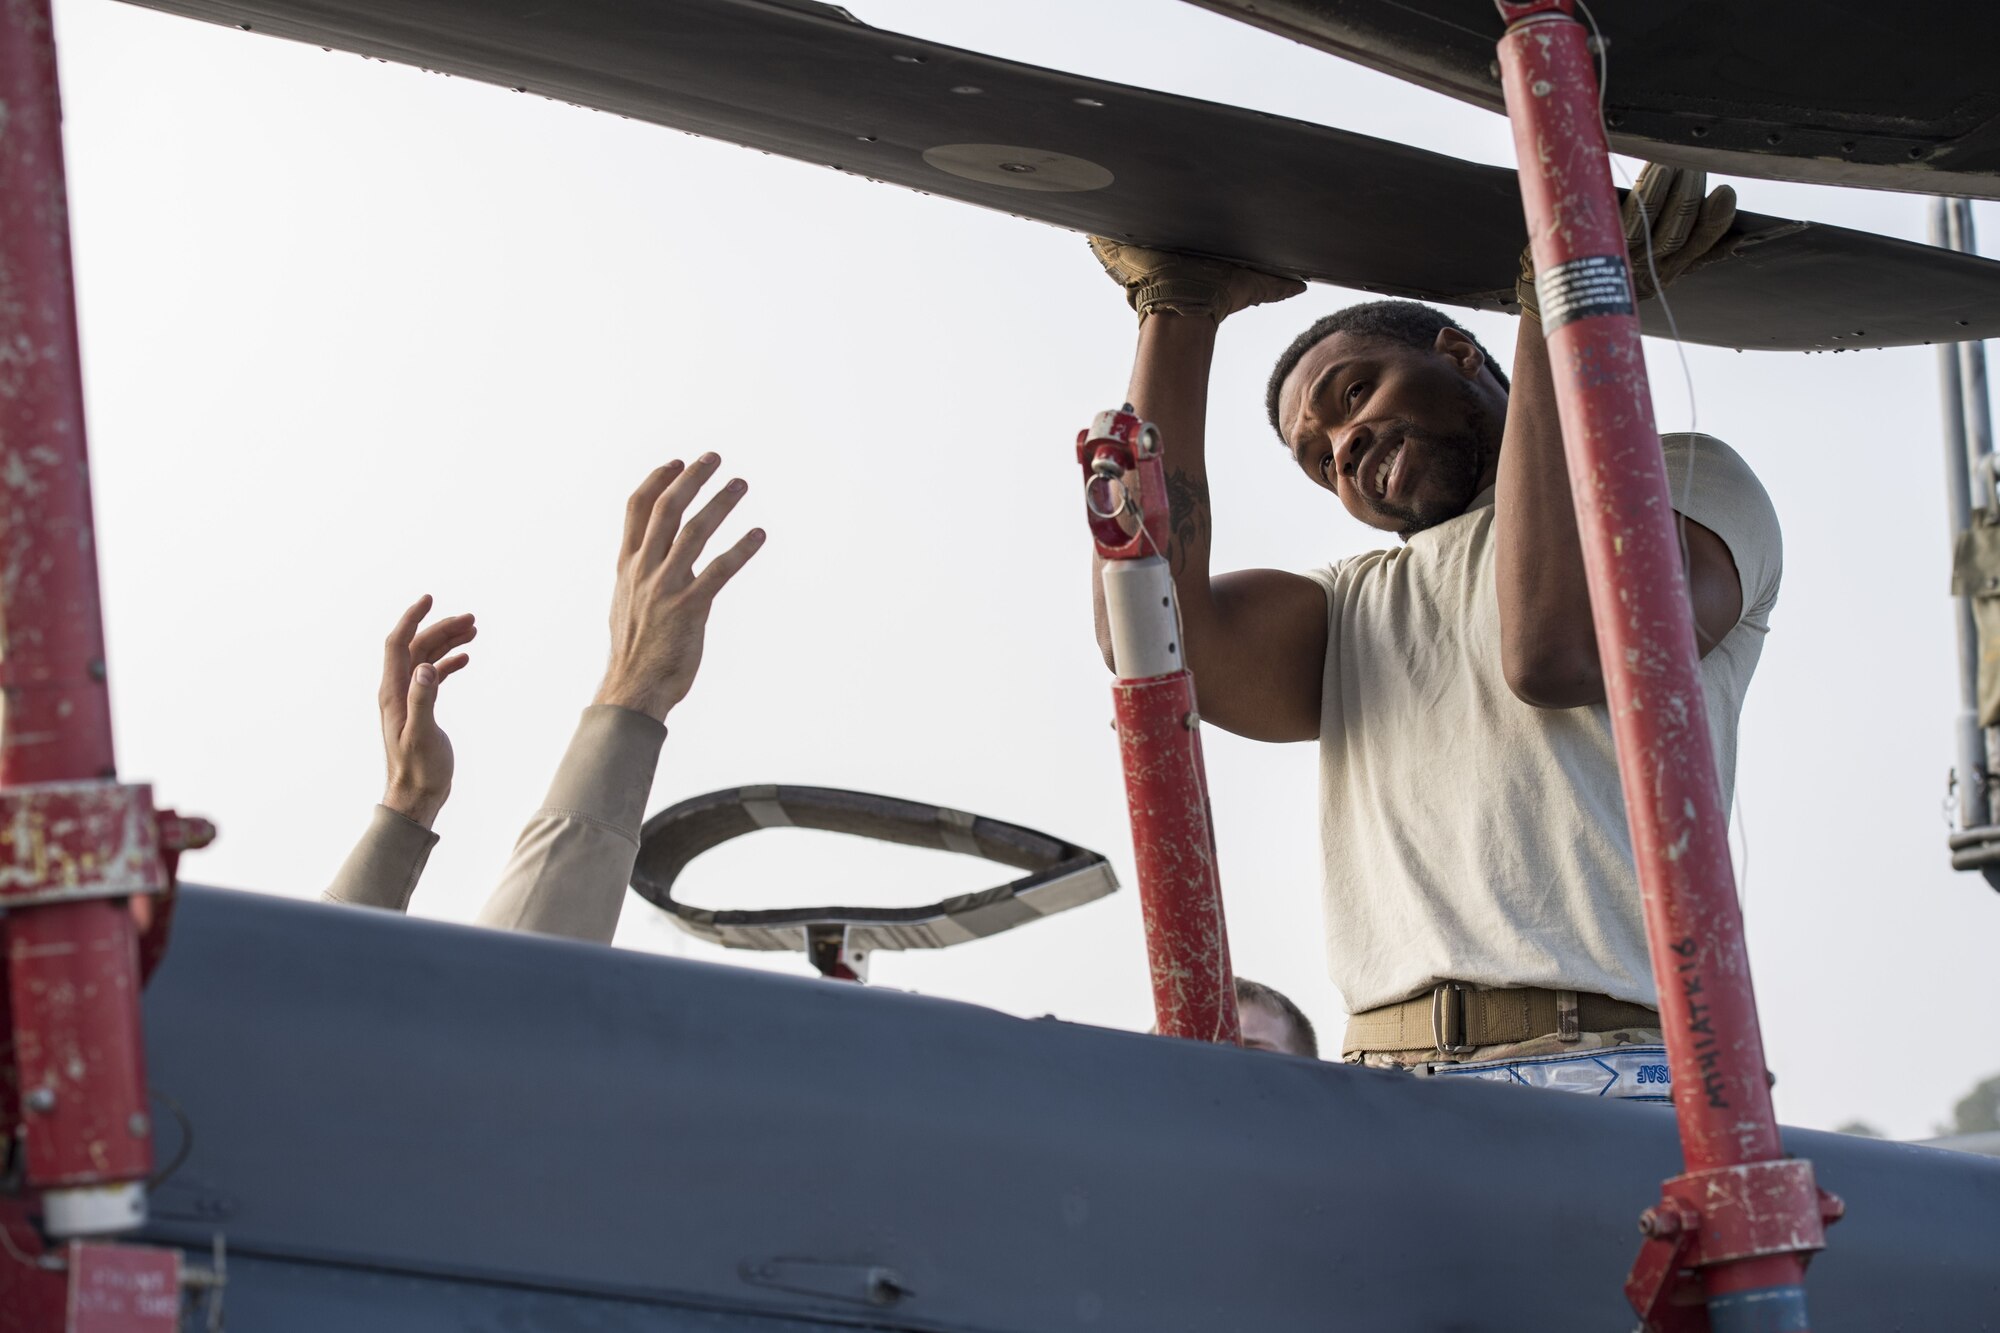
point(1159, 735)
point(58, 718)
point(73, 965)
point(1173, 849)
point(1639, 598)
point(73, 976)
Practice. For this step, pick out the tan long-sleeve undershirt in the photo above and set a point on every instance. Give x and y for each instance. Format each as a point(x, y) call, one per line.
point(572, 862)
point(383, 868)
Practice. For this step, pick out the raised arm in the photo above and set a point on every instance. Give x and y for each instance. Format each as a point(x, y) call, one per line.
point(1548, 638)
point(1255, 639)
point(573, 861)
point(383, 868)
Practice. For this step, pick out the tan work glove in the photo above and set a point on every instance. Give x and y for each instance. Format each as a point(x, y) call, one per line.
point(1187, 284)
point(1686, 228)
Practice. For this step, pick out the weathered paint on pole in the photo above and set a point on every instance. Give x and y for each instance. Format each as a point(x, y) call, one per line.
point(1173, 850)
point(1639, 598)
point(58, 710)
point(1159, 734)
point(77, 1080)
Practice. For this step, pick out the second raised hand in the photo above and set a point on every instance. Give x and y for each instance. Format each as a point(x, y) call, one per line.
point(659, 608)
point(414, 664)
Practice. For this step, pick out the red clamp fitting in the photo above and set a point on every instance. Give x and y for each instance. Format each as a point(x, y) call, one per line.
point(64, 841)
point(86, 889)
point(1124, 486)
point(1722, 1216)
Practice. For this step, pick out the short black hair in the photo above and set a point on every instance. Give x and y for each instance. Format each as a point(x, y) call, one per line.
point(1408, 322)
point(1256, 992)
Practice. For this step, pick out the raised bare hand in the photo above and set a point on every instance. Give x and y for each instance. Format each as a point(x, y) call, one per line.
point(414, 664)
point(659, 611)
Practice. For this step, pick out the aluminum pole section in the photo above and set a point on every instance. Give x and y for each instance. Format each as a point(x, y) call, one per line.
point(1742, 1216)
point(70, 940)
point(1976, 424)
point(1159, 733)
point(1971, 748)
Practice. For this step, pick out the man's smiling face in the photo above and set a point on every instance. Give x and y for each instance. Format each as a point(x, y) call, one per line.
point(1405, 436)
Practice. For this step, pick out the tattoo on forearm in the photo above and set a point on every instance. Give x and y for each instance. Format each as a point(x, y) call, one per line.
point(1187, 501)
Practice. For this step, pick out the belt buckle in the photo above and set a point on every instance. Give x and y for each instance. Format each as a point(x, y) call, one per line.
point(1448, 1018)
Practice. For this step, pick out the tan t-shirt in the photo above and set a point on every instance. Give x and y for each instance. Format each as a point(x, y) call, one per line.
point(1468, 836)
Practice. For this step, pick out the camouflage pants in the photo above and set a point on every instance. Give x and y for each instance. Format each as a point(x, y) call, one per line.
point(1626, 1065)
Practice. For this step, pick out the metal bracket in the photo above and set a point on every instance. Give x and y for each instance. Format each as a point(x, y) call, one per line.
point(832, 948)
point(1124, 483)
point(1722, 1216)
point(1975, 848)
point(1662, 1287)
point(67, 841)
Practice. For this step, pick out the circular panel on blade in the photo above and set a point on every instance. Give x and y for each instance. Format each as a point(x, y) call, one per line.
point(1018, 168)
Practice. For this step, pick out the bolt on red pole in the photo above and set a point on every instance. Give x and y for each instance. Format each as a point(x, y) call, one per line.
point(74, 846)
point(1742, 1217)
point(1159, 733)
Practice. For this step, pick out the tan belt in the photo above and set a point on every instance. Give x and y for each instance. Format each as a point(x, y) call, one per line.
point(1454, 1018)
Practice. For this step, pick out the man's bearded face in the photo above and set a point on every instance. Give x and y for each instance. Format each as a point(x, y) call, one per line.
point(1404, 436)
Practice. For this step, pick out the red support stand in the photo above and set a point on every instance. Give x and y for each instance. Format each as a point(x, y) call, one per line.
point(81, 856)
point(1735, 1231)
point(1159, 733)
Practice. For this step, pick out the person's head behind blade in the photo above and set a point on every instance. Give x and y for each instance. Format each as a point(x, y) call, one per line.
point(1394, 409)
point(1271, 1022)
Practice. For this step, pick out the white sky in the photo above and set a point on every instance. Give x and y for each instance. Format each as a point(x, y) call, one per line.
point(353, 333)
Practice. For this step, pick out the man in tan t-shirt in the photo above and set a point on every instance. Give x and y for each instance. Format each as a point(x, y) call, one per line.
point(1482, 908)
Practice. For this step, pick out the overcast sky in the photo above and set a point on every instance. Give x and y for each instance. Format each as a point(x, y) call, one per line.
point(353, 333)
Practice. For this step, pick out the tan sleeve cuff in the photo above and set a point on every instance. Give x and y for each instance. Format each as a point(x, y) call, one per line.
point(574, 859)
point(607, 772)
point(383, 869)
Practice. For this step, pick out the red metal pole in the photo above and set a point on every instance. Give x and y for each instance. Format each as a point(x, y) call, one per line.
point(1741, 1216)
point(58, 717)
point(70, 940)
point(80, 853)
point(1159, 734)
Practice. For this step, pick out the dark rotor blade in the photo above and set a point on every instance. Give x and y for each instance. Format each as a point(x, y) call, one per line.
point(808, 82)
point(1834, 92)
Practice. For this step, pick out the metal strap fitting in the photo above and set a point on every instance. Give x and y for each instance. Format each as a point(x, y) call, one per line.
point(1448, 1018)
point(64, 841)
